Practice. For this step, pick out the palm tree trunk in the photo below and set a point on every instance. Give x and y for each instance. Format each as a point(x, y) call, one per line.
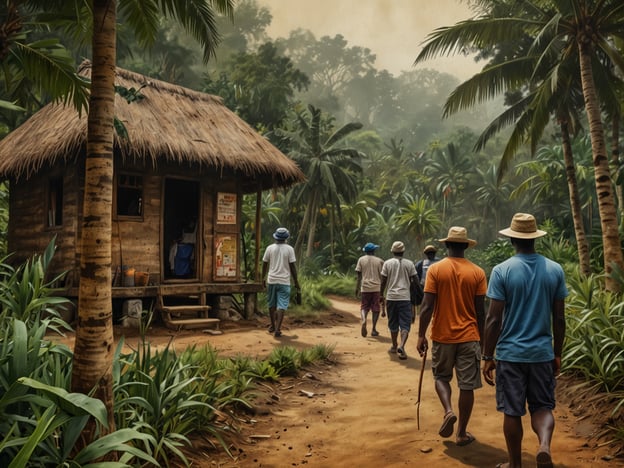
point(312, 225)
point(302, 230)
point(582, 245)
point(602, 175)
point(615, 161)
point(93, 351)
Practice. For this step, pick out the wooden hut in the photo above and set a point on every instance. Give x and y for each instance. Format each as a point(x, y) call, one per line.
point(180, 175)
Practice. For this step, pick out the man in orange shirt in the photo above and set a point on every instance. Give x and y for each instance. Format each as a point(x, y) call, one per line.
point(454, 297)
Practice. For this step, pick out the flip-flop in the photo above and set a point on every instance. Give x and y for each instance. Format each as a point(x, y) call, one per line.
point(446, 430)
point(401, 353)
point(392, 350)
point(468, 440)
point(544, 460)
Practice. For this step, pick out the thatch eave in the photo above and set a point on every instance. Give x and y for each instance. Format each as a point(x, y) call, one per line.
point(170, 124)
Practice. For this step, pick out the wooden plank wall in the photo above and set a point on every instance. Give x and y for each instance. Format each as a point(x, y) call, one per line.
point(29, 233)
point(135, 242)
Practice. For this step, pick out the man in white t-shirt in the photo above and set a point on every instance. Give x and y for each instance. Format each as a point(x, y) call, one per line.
point(368, 285)
point(397, 276)
point(279, 262)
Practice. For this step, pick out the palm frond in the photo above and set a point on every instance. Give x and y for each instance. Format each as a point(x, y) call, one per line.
point(342, 132)
point(492, 81)
point(55, 71)
point(198, 18)
point(143, 17)
point(479, 33)
point(506, 118)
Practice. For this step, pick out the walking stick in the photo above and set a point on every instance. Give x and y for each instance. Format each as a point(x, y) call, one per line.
point(422, 373)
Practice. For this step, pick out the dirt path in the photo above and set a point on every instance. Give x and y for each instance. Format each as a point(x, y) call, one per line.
point(362, 409)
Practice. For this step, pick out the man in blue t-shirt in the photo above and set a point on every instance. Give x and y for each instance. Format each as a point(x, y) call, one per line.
point(526, 325)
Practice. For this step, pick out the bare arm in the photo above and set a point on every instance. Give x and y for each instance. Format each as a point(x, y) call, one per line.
point(265, 268)
point(479, 302)
point(559, 326)
point(493, 323)
point(358, 284)
point(293, 273)
point(426, 312)
point(382, 289)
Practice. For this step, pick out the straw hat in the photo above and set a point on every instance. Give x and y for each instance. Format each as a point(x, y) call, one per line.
point(460, 235)
point(523, 226)
point(397, 247)
point(429, 248)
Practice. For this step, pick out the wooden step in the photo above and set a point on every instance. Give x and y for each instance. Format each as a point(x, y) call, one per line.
point(192, 315)
point(198, 310)
point(177, 324)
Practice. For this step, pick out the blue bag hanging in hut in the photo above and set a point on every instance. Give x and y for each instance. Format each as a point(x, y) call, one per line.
point(183, 257)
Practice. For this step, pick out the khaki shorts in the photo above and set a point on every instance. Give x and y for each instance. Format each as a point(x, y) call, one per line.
point(465, 358)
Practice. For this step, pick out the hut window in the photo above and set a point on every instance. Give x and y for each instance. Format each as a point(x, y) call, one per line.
point(129, 195)
point(55, 202)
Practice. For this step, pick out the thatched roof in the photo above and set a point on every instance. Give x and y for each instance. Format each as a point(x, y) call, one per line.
point(171, 123)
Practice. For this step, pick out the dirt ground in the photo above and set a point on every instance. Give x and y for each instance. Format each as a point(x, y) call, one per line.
point(361, 410)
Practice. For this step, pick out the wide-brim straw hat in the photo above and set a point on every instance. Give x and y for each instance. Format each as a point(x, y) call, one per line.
point(460, 235)
point(429, 248)
point(397, 247)
point(523, 226)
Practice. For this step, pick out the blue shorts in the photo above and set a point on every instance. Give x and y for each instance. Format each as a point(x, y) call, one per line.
point(399, 315)
point(519, 383)
point(278, 296)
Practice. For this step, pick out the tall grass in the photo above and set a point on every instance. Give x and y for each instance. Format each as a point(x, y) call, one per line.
point(161, 397)
point(594, 346)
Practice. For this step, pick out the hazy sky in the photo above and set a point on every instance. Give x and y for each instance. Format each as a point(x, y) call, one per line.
point(392, 29)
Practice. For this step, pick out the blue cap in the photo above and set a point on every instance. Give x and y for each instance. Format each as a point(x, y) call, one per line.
point(281, 234)
point(370, 247)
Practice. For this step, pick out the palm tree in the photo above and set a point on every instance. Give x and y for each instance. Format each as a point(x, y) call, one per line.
point(92, 366)
point(420, 218)
point(329, 166)
point(577, 34)
point(493, 194)
point(34, 69)
point(449, 171)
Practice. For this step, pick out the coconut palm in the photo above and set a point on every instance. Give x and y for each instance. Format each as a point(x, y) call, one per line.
point(93, 350)
point(575, 32)
point(35, 66)
point(420, 218)
point(449, 171)
point(329, 166)
point(493, 195)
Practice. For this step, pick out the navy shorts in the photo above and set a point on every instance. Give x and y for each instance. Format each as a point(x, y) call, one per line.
point(399, 315)
point(521, 383)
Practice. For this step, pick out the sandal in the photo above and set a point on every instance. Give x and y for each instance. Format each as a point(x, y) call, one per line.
point(544, 460)
point(446, 430)
point(401, 353)
point(469, 439)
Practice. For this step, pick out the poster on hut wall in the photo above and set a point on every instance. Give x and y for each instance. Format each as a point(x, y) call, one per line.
point(225, 256)
point(226, 208)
